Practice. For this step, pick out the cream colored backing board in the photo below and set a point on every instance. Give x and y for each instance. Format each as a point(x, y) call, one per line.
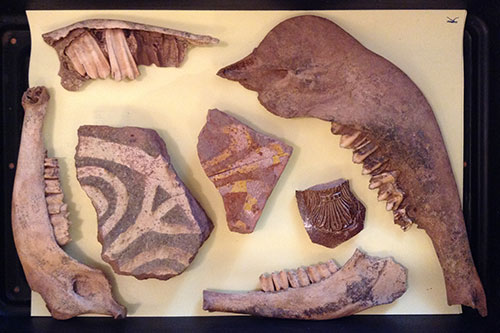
point(174, 102)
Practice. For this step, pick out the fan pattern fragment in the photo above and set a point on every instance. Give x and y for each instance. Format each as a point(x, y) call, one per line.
point(307, 66)
point(39, 217)
point(244, 166)
point(318, 292)
point(331, 213)
point(149, 224)
point(97, 49)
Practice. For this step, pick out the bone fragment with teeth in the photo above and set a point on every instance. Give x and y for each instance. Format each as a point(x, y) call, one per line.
point(296, 278)
point(323, 291)
point(94, 49)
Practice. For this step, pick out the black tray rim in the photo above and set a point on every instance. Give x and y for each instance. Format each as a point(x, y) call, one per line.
point(475, 156)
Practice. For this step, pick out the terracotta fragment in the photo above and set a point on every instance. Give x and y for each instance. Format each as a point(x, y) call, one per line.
point(363, 282)
point(97, 48)
point(68, 287)
point(331, 213)
point(244, 166)
point(149, 224)
point(307, 66)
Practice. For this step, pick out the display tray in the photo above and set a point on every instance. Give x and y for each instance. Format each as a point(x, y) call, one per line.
point(15, 293)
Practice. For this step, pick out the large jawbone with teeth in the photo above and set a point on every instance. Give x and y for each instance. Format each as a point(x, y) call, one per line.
point(308, 66)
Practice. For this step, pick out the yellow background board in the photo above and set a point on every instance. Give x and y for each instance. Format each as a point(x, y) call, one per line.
point(174, 102)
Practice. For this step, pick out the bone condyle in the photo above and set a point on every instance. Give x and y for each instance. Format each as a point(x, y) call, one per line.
point(307, 66)
point(318, 292)
point(99, 48)
point(68, 287)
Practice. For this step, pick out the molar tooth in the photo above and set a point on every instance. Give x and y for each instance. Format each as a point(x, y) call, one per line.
point(302, 277)
point(360, 142)
point(383, 178)
point(280, 280)
point(385, 191)
point(346, 140)
point(363, 152)
point(120, 58)
point(402, 219)
point(266, 282)
point(51, 173)
point(52, 186)
point(293, 280)
point(60, 224)
point(323, 270)
point(75, 59)
point(50, 162)
point(54, 203)
point(395, 200)
point(332, 266)
point(313, 273)
point(87, 57)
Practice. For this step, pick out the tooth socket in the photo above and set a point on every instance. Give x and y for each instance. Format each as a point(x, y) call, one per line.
point(87, 57)
point(121, 60)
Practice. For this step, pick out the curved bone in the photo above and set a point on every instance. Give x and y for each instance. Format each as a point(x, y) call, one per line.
point(363, 282)
point(95, 48)
point(307, 66)
point(68, 287)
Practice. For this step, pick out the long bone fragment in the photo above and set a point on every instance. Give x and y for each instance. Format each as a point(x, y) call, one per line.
point(97, 48)
point(318, 292)
point(68, 287)
point(307, 66)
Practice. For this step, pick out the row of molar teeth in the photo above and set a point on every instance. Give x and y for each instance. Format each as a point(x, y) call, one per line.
point(57, 209)
point(296, 278)
point(385, 181)
point(87, 57)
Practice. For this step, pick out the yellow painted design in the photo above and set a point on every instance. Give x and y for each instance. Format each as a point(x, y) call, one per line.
point(242, 170)
point(249, 202)
point(239, 186)
point(279, 153)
